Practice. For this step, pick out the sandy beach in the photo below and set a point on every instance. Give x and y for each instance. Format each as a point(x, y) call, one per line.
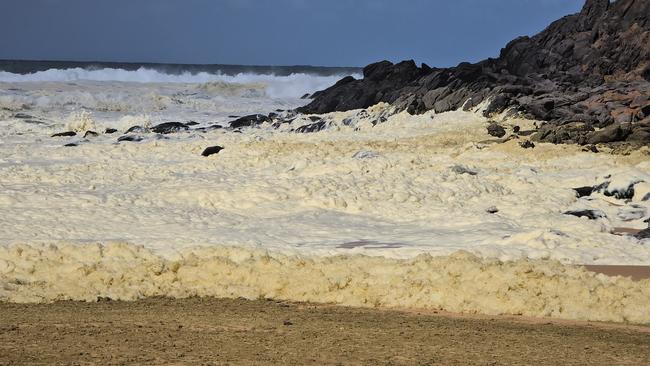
point(239, 332)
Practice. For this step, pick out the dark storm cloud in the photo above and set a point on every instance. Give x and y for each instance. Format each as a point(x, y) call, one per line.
point(320, 32)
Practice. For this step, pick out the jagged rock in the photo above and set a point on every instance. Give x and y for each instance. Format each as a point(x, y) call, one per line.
point(610, 134)
point(591, 68)
point(575, 132)
point(110, 131)
point(90, 134)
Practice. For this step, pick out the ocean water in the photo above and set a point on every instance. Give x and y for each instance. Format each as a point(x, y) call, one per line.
point(379, 209)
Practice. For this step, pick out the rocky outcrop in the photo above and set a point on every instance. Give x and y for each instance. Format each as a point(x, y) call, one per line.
point(587, 74)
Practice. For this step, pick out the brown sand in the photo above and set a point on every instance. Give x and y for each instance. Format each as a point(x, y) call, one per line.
point(240, 332)
point(635, 272)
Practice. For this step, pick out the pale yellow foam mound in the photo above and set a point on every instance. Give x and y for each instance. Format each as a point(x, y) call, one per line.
point(458, 283)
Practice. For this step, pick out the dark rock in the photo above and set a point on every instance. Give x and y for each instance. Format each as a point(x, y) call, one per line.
point(612, 133)
point(527, 144)
point(591, 148)
point(90, 134)
point(130, 138)
point(65, 134)
point(313, 127)
point(191, 123)
point(590, 214)
point(643, 234)
point(640, 132)
point(492, 210)
point(495, 130)
point(110, 130)
point(137, 129)
point(211, 150)
point(72, 144)
point(575, 132)
point(590, 68)
point(624, 193)
point(584, 191)
point(169, 127)
point(305, 96)
point(516, 129)
point(23, 116)
point(249, 121)
point(208, 128)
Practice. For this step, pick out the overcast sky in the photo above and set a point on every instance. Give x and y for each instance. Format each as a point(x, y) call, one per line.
point(270, 32)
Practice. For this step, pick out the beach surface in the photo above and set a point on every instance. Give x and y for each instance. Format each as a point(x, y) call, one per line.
point(240, 332)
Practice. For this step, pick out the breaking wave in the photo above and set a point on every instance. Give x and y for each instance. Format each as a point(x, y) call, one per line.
point(289, 86)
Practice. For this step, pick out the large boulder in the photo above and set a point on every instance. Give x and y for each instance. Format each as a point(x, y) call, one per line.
point(592, 67)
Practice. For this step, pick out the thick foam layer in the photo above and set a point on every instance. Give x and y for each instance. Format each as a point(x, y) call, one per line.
point(370, 211)
point(458, 283)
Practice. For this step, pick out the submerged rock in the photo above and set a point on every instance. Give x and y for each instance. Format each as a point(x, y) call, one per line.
point(249, 121)
point(590, 214)
point(65, 134)
point(365, 154)
point(130, 138)
point(313, 127)
point(110, 131)
point(459, 169)
point(137, 129)
point(169, 127)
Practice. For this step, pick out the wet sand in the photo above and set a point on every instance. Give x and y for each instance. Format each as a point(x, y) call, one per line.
point(240, 332)
point(635, 272)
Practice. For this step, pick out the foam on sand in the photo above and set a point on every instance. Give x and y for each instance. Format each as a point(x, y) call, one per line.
point(457, 283)
point(372, 212)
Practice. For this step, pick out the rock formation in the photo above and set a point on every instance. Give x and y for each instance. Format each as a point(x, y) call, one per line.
point(587, 74)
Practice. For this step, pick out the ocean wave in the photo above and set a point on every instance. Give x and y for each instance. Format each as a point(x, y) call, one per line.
point(290, 86)
point(459, 283)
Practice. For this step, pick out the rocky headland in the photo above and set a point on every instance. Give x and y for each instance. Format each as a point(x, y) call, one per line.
point(587, 76)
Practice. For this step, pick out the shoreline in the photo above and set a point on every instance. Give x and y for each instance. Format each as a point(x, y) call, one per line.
point(242, 332)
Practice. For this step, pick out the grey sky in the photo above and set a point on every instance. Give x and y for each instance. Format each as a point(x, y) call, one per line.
point(270, 32)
